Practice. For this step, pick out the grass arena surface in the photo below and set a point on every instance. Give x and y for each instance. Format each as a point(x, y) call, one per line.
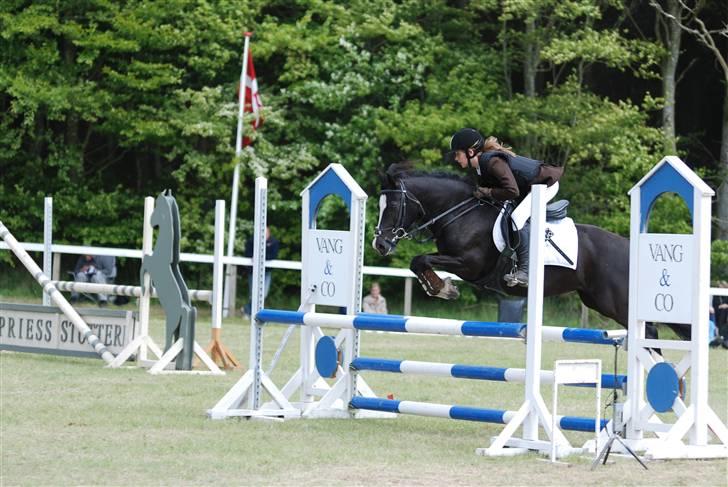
point(70, 421)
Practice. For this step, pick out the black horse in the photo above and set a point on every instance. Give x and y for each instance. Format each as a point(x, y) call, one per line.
point(462, 229)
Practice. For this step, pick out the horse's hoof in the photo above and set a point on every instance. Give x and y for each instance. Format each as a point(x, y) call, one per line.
point(449, 290)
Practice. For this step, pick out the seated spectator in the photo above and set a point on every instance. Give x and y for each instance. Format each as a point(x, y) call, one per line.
point(714, 338)
point(99, 269)
point(374, 302)
point(720, 313)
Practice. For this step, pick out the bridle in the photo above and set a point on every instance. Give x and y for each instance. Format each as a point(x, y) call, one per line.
point(398, 230)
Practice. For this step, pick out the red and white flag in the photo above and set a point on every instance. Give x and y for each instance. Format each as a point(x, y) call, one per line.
point(253, 104)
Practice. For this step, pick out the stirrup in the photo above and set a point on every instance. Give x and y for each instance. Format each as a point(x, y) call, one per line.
point(510, 277)
point(511, 280)
point(521, 282)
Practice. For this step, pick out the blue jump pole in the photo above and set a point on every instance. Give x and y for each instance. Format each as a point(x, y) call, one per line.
point(573, 423)
point(503, 374)
point(439, 326)
point(397, 324)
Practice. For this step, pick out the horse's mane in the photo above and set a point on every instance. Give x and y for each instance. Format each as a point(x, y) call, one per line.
point(405, 169)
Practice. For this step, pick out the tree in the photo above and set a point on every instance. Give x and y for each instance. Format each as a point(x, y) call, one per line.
point(668, 33)
point(711, 39)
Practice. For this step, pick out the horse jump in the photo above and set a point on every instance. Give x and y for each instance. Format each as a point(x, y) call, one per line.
point(143, 343)
point(350, 396)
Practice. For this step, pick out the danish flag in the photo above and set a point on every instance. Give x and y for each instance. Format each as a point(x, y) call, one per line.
point(253, 104)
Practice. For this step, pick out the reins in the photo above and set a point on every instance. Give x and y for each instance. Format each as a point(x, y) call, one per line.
point(400, 232)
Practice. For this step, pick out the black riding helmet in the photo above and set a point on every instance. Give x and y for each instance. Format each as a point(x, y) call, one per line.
point(464, 139)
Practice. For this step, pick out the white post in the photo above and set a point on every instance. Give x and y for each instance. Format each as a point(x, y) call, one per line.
point(635, 371)
point(307, 342)
point(147, 236)
point(258, 291)
point(699, 342)
point(47, 242)
point(351, 351)
point(217, 269)
point(230, 274)
point(407, 296)
point(535, 308)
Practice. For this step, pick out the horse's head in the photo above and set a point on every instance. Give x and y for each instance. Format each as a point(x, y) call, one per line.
point(399, 209)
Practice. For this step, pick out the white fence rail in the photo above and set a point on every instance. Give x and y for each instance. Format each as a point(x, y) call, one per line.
point(58, 249)
point(407, 274)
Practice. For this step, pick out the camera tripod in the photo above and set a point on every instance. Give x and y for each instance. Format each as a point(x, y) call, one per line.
point(614, 435)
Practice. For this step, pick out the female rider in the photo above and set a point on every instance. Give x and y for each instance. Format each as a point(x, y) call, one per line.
point(503, 176)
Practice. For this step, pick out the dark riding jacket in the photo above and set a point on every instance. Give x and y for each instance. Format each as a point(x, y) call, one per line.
point(511, 177)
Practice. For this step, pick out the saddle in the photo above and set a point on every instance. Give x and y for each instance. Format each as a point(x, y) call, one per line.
point(558, 210)
point(556, 221)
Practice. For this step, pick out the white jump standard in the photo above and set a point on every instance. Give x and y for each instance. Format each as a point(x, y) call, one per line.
point(331, 275)
point(669, 280)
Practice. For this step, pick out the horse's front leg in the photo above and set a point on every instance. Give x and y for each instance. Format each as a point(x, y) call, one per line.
point(432, 284)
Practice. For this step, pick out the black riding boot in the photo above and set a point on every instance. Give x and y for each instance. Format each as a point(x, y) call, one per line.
point(521, 276)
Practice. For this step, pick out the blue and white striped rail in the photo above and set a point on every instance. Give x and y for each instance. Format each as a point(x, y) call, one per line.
point(478, 372)
point(439, 326)
point(573, 423)
point(393, 323)
point(582, 335)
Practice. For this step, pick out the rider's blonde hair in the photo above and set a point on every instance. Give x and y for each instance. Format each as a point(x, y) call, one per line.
point(491, 143)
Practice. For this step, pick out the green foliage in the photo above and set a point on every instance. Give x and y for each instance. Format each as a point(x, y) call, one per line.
point(719, 260)
point(104, 103)
point(605, 147)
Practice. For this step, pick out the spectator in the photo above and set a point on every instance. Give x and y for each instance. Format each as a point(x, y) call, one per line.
point(271, 252)
point(720, 311)
point(713, 335)
point(374, 302)
point(99, 269)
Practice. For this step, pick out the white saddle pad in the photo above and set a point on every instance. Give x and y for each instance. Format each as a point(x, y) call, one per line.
point(562, 234)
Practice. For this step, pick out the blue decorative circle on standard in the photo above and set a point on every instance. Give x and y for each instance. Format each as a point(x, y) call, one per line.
point(326, 356)
point(662, 387)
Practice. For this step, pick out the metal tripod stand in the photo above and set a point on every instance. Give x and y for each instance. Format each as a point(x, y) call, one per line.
point(614, 435)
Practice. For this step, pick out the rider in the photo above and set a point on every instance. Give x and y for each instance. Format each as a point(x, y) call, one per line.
point(503, 176)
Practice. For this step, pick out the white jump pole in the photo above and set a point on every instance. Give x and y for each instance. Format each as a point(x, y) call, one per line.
point(124, 290)
point(55, 294)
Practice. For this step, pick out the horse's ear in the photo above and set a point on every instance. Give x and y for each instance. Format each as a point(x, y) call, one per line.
point(385, 179)
point(398, 169)
point(167, 192)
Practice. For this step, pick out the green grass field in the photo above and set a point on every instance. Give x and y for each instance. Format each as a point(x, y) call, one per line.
point(70, 421)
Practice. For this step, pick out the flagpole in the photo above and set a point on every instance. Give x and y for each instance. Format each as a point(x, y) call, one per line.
point(230, 273)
